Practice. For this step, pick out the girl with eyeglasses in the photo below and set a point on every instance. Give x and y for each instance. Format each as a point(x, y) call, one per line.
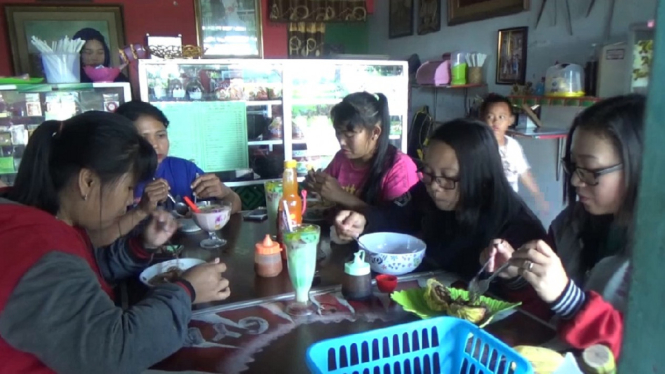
point(463, 201)
point(582, 271)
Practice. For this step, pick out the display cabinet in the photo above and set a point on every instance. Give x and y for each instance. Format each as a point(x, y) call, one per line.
point(242, 118)
point(23, 107)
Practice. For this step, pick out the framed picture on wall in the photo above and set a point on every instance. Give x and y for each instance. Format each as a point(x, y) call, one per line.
point(52, 23)
point(429, 16)
point(400, 19)
point(462, 11)
point(511, 56)
point(229, 28)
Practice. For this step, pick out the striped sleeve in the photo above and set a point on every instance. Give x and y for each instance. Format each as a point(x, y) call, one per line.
point(570, 302)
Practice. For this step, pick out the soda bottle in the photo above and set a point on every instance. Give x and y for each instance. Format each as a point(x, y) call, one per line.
point(292, 199)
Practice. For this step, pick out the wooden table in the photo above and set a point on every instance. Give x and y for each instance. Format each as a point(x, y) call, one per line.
point(246, 287)
point(250, 332)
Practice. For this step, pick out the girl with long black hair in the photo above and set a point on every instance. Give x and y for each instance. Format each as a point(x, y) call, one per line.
point(368, 170)
point(462, 204)
point(78, 175)
point(95, 52)
point(581, 272)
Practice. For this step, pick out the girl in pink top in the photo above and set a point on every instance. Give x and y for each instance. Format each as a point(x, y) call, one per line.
point(368, 170)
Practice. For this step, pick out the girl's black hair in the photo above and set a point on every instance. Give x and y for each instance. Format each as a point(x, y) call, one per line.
point(365, 110)
point(483, 188)
point(92, 34)
point(105, 143)
point(621, 120)
point(136, 108)
point(492, 99)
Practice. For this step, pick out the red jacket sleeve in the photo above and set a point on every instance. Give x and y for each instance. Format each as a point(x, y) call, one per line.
point(598, 322)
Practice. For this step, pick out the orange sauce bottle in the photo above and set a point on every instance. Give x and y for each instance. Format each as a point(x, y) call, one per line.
point(292, 198)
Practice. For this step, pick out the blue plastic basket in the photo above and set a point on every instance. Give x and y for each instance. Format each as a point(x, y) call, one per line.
point(443, 345)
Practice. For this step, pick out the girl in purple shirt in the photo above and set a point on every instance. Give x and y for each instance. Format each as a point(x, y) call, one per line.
point(368, 170)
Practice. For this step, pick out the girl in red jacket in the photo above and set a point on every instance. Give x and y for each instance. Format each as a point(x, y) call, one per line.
point(582, 273)
point(57, 310)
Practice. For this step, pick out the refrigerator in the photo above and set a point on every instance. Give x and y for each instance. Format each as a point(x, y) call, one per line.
point(23, 107)
point(242, 118)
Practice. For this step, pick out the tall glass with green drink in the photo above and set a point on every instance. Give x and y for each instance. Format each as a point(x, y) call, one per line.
point(301, 249)
point(274, 191)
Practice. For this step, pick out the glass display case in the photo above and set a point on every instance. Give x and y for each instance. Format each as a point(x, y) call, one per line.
point(242, 118)
point(24, 107)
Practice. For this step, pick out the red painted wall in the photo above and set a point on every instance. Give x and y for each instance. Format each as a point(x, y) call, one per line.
point(161, 17)
point(156, 17)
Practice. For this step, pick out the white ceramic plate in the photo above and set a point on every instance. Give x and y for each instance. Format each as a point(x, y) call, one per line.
point(187, 225)
point(182, 264)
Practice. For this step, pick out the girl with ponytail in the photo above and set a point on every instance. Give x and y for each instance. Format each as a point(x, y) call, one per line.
point(368, 170)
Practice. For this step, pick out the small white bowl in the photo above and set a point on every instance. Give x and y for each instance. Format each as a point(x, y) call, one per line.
point(182, 264)
point(393, 253)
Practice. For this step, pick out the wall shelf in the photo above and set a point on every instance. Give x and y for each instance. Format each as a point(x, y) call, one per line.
point(554, 101)
point(435, 89)
point(448, 86)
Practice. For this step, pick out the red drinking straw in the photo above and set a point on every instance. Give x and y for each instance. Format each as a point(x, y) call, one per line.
point(191, 204)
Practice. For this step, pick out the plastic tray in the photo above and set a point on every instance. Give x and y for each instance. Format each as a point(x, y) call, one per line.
point(444, 345)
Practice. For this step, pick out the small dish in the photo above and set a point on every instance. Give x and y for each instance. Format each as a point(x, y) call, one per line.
point(386, 283)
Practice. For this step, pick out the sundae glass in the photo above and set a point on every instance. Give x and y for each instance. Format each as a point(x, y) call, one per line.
point(212, 218)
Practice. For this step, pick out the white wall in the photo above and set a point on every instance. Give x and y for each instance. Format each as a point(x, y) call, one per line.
point(546, 45)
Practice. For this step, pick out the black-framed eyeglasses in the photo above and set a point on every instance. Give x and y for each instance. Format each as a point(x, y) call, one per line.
point(442, 181)
point(588, 176)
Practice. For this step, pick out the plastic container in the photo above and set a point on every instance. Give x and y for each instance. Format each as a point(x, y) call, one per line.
point(357, 281)
point(564, 80)
point(598, 359)
point(268, 258)
point(62, 67)
point(458, 68)
point(435, 345)
point(386, 283)
point(434, 72)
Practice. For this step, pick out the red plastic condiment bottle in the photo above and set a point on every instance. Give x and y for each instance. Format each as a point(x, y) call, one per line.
point(267, 259)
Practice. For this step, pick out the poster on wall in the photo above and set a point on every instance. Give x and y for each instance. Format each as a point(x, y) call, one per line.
point(229, 28)
point(462, 11)
point(51, 23)
point(511, 52)
point(429, 16)
point(400, 19)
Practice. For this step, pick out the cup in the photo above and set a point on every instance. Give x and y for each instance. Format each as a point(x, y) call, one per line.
point(273, 191)
point(475, 75)
point(62, 67)
point(211, 218)
point(301, 253)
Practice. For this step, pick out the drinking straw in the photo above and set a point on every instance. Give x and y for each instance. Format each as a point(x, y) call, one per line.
point(191, 204)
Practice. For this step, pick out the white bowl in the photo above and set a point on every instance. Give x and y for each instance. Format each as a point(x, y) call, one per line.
point(182, 264)
point(393, 253)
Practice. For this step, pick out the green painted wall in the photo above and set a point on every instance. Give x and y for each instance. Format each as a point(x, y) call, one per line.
point(354, 36)
point(644, 337)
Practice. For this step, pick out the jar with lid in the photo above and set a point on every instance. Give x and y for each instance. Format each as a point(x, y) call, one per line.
point(357, 282)
point(268, 260)
point(598, 359)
